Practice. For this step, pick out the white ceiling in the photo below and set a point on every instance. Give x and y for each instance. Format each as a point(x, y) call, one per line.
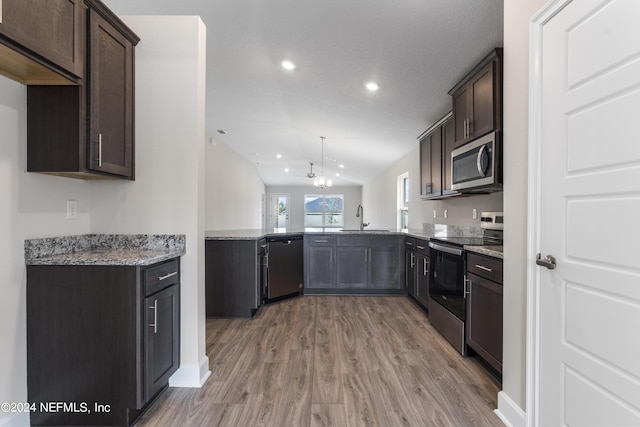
point(416, 50)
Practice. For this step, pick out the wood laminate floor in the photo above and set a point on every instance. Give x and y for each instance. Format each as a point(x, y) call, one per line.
point(332, 361)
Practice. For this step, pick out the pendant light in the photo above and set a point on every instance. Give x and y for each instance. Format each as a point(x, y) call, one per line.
point(321, 181)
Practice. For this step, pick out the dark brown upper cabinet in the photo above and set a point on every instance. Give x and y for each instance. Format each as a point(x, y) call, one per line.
point(436, 145)
point(111, 97)
point(87, 130)
point(477, 100)
point(43, 43)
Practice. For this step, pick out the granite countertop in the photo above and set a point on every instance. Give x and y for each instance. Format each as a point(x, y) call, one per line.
point(492, 251)
point(258, 233)
point(105, 249)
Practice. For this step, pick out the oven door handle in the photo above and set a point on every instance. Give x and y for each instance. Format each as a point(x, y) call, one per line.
point(447, 249)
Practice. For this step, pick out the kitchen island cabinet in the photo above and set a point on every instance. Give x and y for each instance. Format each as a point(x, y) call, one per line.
point(319, 261)
point(104, 336)
point(354, 263)
point(233, 275)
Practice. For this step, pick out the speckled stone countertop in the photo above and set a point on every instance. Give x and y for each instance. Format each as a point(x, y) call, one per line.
point(104, 249)
point(258, 233)
point(492, 251)
point(429, 231)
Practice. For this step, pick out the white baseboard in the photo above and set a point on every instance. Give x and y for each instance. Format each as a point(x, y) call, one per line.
point(191, 376)
point(15, 420)
point(510, 413)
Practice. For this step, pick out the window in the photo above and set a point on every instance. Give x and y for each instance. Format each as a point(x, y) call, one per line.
point(403, 201)
point(324, 210)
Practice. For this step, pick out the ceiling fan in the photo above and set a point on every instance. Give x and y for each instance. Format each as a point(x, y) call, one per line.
point(311, 174)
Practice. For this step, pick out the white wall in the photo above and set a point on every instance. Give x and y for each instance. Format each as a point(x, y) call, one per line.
point(352, 198)
point(168, 193)
point(233, 189)
point(380, 194)
point(516, 123)
point(32, 206)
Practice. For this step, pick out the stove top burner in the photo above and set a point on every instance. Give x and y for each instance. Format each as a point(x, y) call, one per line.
point(471, 241)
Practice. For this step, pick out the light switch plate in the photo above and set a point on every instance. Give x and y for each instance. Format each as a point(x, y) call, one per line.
point(435, 213)
point(446, 213)
point(0, 11)
point(72, 209)
point(475, 214)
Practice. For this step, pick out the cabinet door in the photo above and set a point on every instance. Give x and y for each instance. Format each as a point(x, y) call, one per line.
point(448, 145)
point(460, 105)
point(321, 272)
point(422, 279)
point(481, 112)
point(162, 339)
point(111, 99)
point(383, 267)
point(352, 266)
point(54, 31)
point(410, 272)
point(484, 320)
point(431, 164)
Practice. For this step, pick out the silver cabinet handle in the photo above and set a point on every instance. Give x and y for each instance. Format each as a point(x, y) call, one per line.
point(154, 325)
point(408, 243)
point(100, 150)
point(413, 262)
point(425, 267)
point(466, 292)
point(167, 275)
point(549, 261)
point(420, 247)
point(320, 241)
point(482, 267)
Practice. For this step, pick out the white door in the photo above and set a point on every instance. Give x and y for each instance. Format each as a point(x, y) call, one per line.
point(279, 211)
point(585, 211)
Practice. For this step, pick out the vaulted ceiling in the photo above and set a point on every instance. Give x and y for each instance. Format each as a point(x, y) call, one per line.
point(415, 50)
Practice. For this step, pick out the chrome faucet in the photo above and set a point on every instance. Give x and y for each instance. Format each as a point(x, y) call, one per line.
point(360, 214)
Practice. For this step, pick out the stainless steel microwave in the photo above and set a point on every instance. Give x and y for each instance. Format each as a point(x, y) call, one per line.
point(476, 167)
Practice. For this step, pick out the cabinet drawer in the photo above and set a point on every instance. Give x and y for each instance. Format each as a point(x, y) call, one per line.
point(410, 243)
point(320, 240)
point(422, 246)
point(487, 267)
point(160, 276)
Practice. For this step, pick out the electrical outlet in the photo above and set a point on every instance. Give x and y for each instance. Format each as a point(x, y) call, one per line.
point(446, 213)
point(435, 213)
point(475, 214)
point(72, 209)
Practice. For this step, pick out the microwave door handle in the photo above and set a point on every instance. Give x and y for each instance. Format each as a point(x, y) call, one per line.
point(481, 153)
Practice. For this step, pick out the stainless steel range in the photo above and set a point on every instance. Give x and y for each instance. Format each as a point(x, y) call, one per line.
point(447, 285)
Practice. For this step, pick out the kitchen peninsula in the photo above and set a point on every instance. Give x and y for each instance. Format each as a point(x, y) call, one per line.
point(345, 262)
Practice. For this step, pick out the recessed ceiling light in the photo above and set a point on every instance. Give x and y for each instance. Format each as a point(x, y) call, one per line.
point(341, 166)
point(372, 86)
point(278, 156)
point(286, 169)
point(337, 174)
point(288, 65)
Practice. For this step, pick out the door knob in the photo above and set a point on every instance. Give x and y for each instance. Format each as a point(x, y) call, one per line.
point(549, 261)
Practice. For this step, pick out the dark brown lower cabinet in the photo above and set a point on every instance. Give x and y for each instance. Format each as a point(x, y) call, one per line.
point(484, 309)
point(102, 341)
point(233, 276)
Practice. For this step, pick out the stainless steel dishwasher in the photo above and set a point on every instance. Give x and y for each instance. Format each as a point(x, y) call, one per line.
point(284, 266)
